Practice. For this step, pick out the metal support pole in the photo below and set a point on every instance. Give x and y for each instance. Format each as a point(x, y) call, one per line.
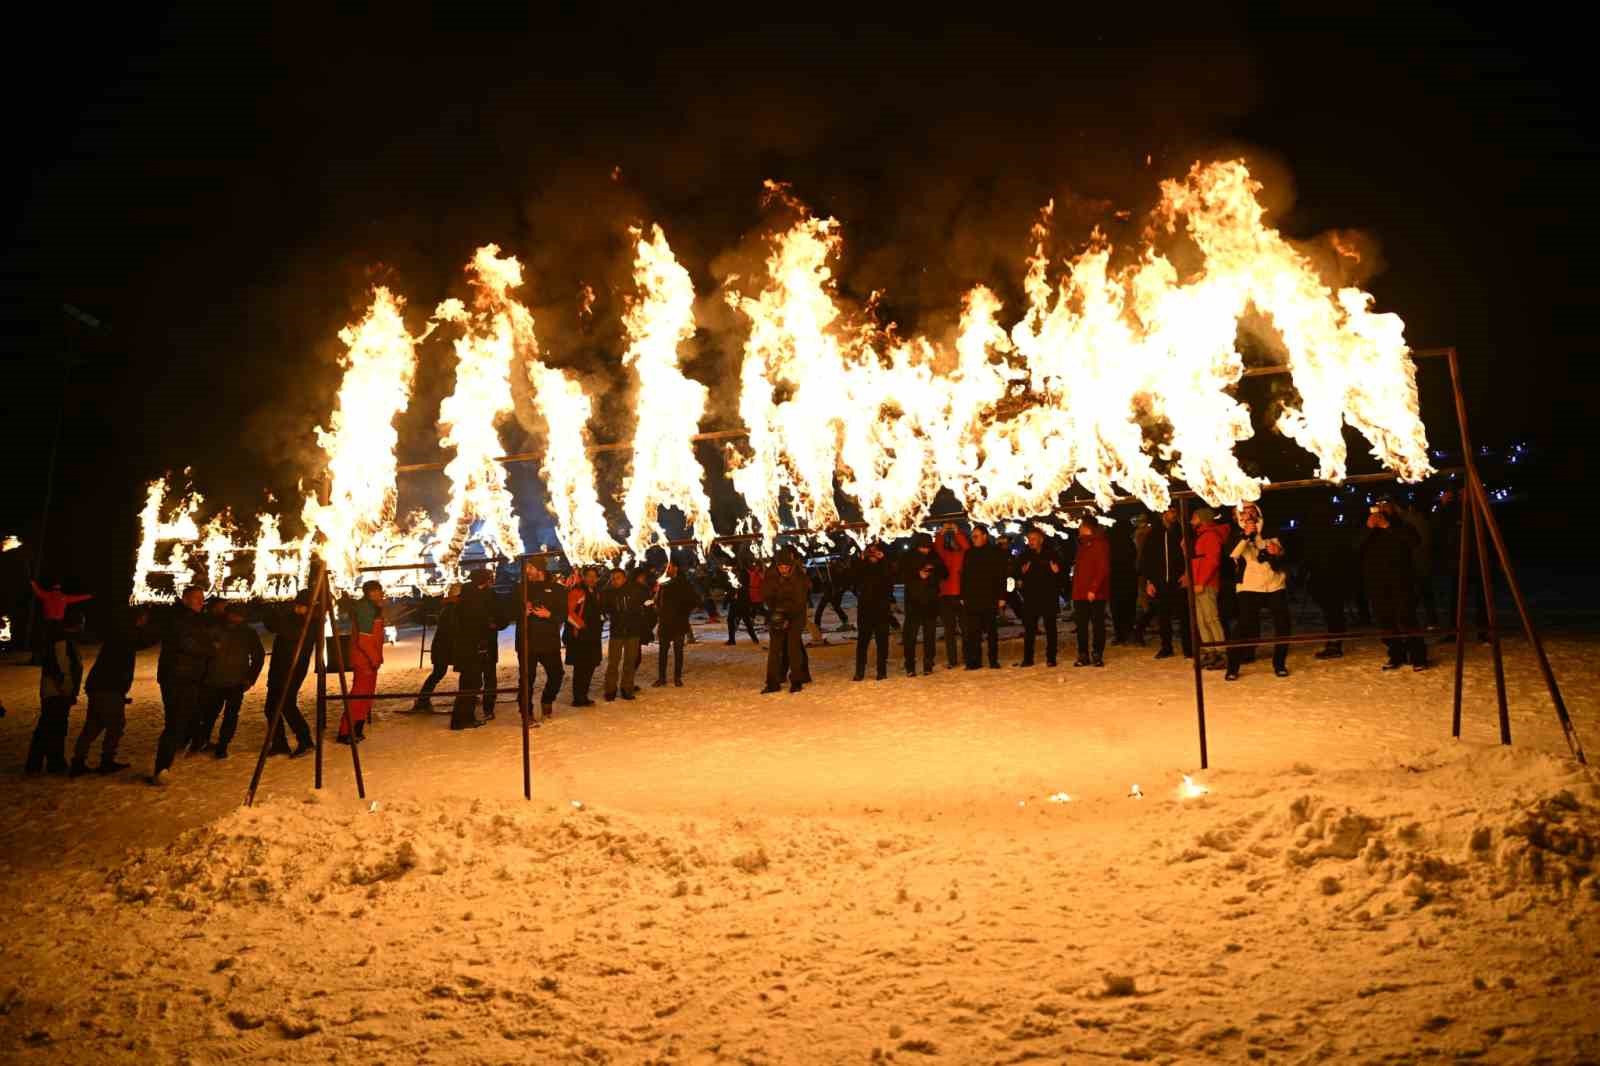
point(524, 690)
point(1493, 528)
point(338, 655)
point(321, 667)
point(1465, 536)
point(1194, 630)
point(275, 716)
point(1491, 617)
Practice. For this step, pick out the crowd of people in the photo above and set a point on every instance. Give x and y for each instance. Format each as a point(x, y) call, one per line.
point(1123, 582)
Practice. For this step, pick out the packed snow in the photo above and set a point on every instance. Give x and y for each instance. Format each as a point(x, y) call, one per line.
point(955, 867)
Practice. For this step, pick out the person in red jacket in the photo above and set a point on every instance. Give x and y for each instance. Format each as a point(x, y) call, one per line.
point(1210, 546)
point(1091, 588)
point(366, 657)
point(951, 546)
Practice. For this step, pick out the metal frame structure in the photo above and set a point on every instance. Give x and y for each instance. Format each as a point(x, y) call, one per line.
point(1478, 526)
point(1477, 518)
point(322, 601)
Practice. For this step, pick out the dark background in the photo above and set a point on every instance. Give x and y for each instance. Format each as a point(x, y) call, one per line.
point(222, 192)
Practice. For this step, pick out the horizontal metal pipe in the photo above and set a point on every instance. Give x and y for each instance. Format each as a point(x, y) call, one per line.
point(739, 434)
point(1323, 638)
point(347, 697)
point(957, 516)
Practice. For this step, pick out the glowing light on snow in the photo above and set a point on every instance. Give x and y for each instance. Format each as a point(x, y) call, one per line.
point(1060, 797)
point(1190, 788)
point(1135, 793)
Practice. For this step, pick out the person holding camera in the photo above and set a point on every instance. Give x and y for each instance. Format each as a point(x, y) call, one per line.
point(1263, 585)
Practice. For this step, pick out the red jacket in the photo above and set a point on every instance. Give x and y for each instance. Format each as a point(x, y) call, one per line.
point(755, 575)
point(54, 604)
point(1091, 571)
point(1210, 542)
point(952, 559)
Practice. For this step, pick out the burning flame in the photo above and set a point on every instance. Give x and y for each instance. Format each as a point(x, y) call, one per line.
point(357, 526)
point(10, 544)
point(670, 405)
point(1117, 377)
point(482, 396)
point(179, 532)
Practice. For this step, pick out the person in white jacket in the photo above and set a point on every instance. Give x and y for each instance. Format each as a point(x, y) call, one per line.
point(1263, 584)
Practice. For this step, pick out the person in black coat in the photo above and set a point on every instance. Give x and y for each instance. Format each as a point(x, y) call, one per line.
point(107, 687)
point(440, 650)
point(874, 603)
point(286, 672)
point(1388, 569)
point(624, 610)
point(476, 656)
point(1330, 562)
point(921, 571)
point(1039, 581)
point(1124, 582)
point(740, 606)
point(186, 650)
point(584, 637)
point(983, 596)
point(1164, 581)
point(233, 671)
point(544, 610)
point(788, 597)
point(675, 600)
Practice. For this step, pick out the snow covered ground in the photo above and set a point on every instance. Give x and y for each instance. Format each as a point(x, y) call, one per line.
point(862, 872)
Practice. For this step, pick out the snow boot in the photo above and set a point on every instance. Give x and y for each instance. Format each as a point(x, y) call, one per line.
point(111, 766)
point(78, 768)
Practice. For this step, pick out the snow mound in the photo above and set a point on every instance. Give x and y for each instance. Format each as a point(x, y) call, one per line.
point(309, 856)
point(1523, 834)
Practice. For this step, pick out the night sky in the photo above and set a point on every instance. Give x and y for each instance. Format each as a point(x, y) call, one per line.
point(222, 193)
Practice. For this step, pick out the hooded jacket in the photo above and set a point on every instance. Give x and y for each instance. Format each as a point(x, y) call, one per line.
point(789, 598)
point(1259, 571)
